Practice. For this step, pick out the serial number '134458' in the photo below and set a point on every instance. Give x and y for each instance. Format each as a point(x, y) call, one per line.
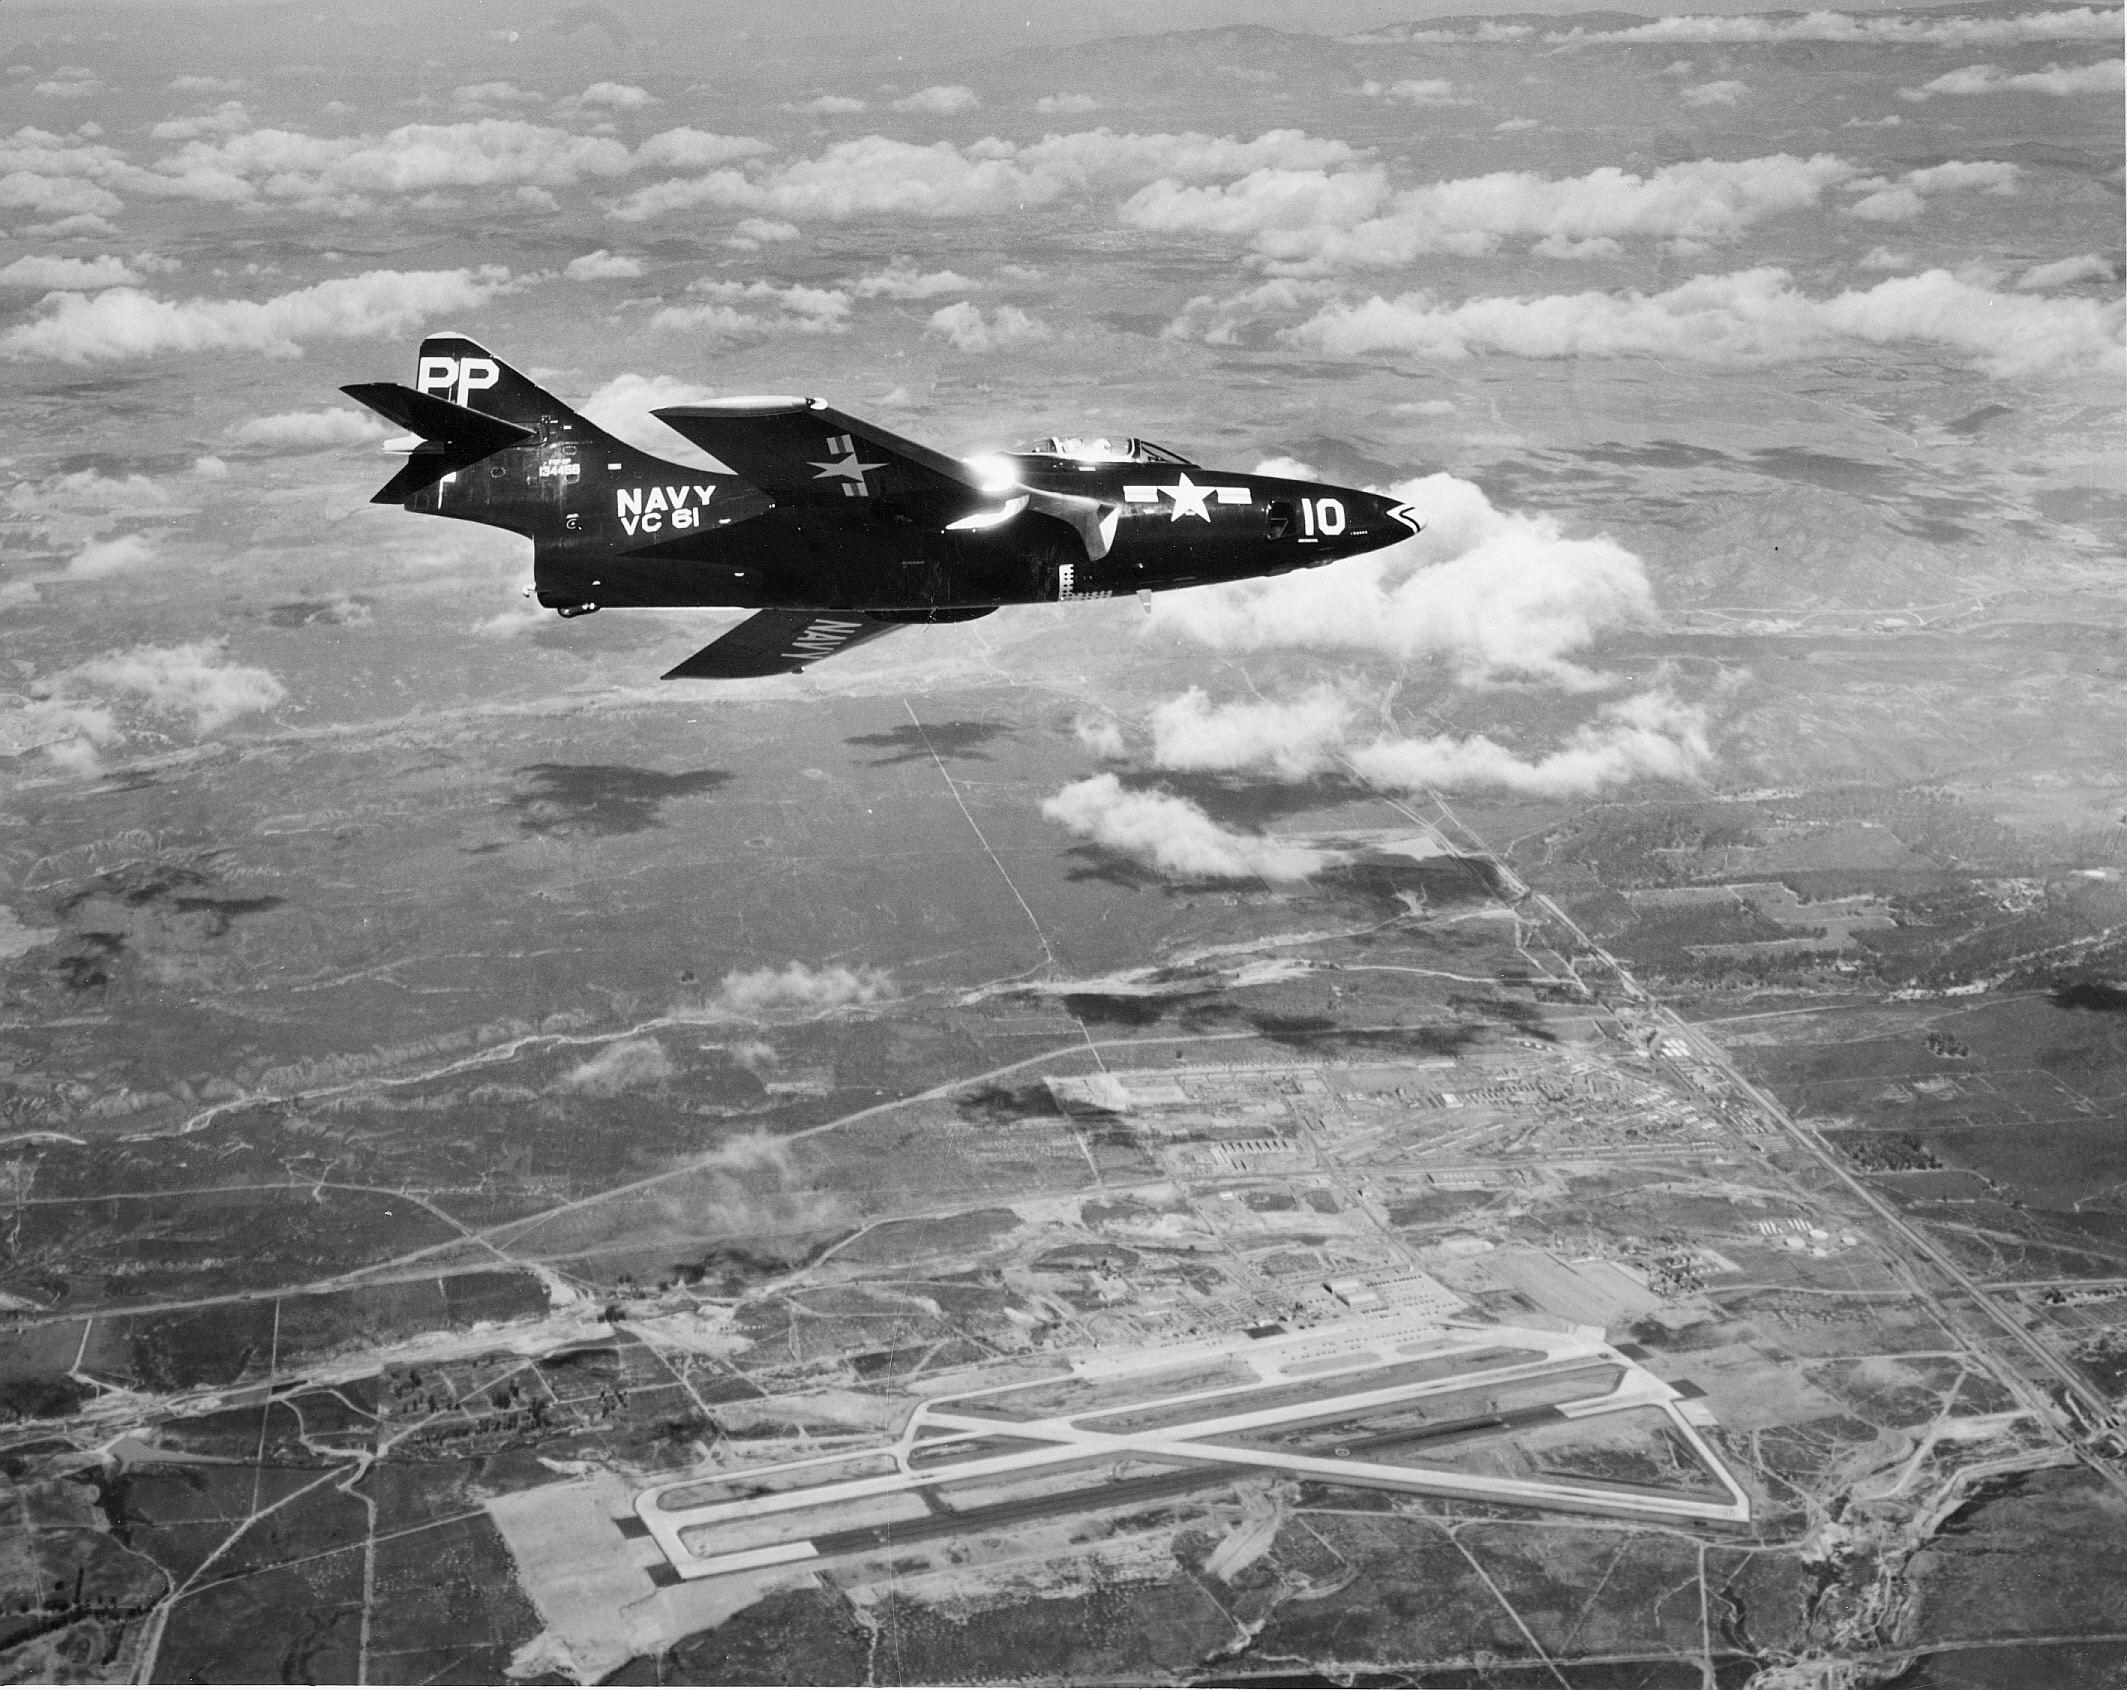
point(643, 511)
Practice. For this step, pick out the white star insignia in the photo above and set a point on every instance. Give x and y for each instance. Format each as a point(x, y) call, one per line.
point(847, 467)
point(1188, 499)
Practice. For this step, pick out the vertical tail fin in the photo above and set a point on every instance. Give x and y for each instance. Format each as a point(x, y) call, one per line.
point(494, 447)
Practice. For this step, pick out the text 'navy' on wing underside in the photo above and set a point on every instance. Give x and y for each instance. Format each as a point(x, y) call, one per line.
point(779, 642)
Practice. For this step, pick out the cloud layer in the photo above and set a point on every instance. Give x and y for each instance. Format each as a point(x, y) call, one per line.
point(127, 322)
point(1747, 317)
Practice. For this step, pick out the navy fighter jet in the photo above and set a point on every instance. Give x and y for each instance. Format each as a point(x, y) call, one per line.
point(833, 530)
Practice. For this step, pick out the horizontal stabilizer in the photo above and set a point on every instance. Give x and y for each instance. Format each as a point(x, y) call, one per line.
point(452, 437)
point(800, 451)
point(779, 642)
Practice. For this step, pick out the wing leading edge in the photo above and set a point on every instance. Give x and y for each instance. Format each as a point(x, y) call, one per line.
point(779, 642)
point(803, 451)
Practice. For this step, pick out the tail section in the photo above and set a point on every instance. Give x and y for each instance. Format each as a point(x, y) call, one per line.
point(495, 447)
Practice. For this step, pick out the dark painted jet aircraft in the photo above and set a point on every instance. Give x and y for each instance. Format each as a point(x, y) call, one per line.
point(832, 529)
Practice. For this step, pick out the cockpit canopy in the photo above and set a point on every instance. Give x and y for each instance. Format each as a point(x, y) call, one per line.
point(1101, 450)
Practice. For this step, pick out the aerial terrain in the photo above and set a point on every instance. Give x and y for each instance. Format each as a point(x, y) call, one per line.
point(1545, 1106)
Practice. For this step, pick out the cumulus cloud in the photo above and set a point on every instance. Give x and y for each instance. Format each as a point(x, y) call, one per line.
point(2081, 23)
point(750, 234)
point(2065, 272)
point(1725, 93)
point(1311, 220)
point(2107, 76)
point(1745, 318)
point(626, 1065)
point(127, 322)
point(477, 96)
point(1057, 105)
point(940, 99)
point(347, 174)
point(899, 280)
point(1174, 836)
point(225, 119)
point(601, 266)
point(1496, 594)
point(1291, 739)
point(207, 85)
point(45, 274)
point(612, 96)
point(968, 330)
point(67, 732)
point(1650, 735)
point(794, 310)
point(194, 680)
point(623, 405)
point(309, 431)
point(1514, 125)
point(70, 82)
point(1884, 258)
point(1888, 205)
point(1414, 91)
point(750, 993)
point(99, 558)
point(1101, 735)
point(825, 105)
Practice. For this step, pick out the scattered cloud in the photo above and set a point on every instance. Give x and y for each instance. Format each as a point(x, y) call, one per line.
point(45, 274)
point(100, 558)
point(1414, 91)
point(628, 1065)
point(751, 993)
point(1744, 318)
point(309, 431)
point(1059, 105)
point(601, 266)
point(1101, 735)
point(2081, 23)
point(1725, 93)
point(940, 100)
point(874, 176)
point(127, 322)
point(623, 405)
point(1496, 594)
point(2107, 76)
point(226, 119)
point(485, 96)
point(1651, 734)
point(899, 280)
point(796, 309)
point(1309, 221)
point(70, 82)
point(825, 105)
point(1515, 125)
point(194, 680)
point(1883, 258)
point(208, 85)
point(2065, 272)
point(750, 234)
point(611, 96)
point(969, 330)
point(1174, 836)
point(1292, 739)
point(1888, 205)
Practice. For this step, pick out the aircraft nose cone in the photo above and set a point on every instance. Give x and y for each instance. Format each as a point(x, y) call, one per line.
point(1402, 515)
